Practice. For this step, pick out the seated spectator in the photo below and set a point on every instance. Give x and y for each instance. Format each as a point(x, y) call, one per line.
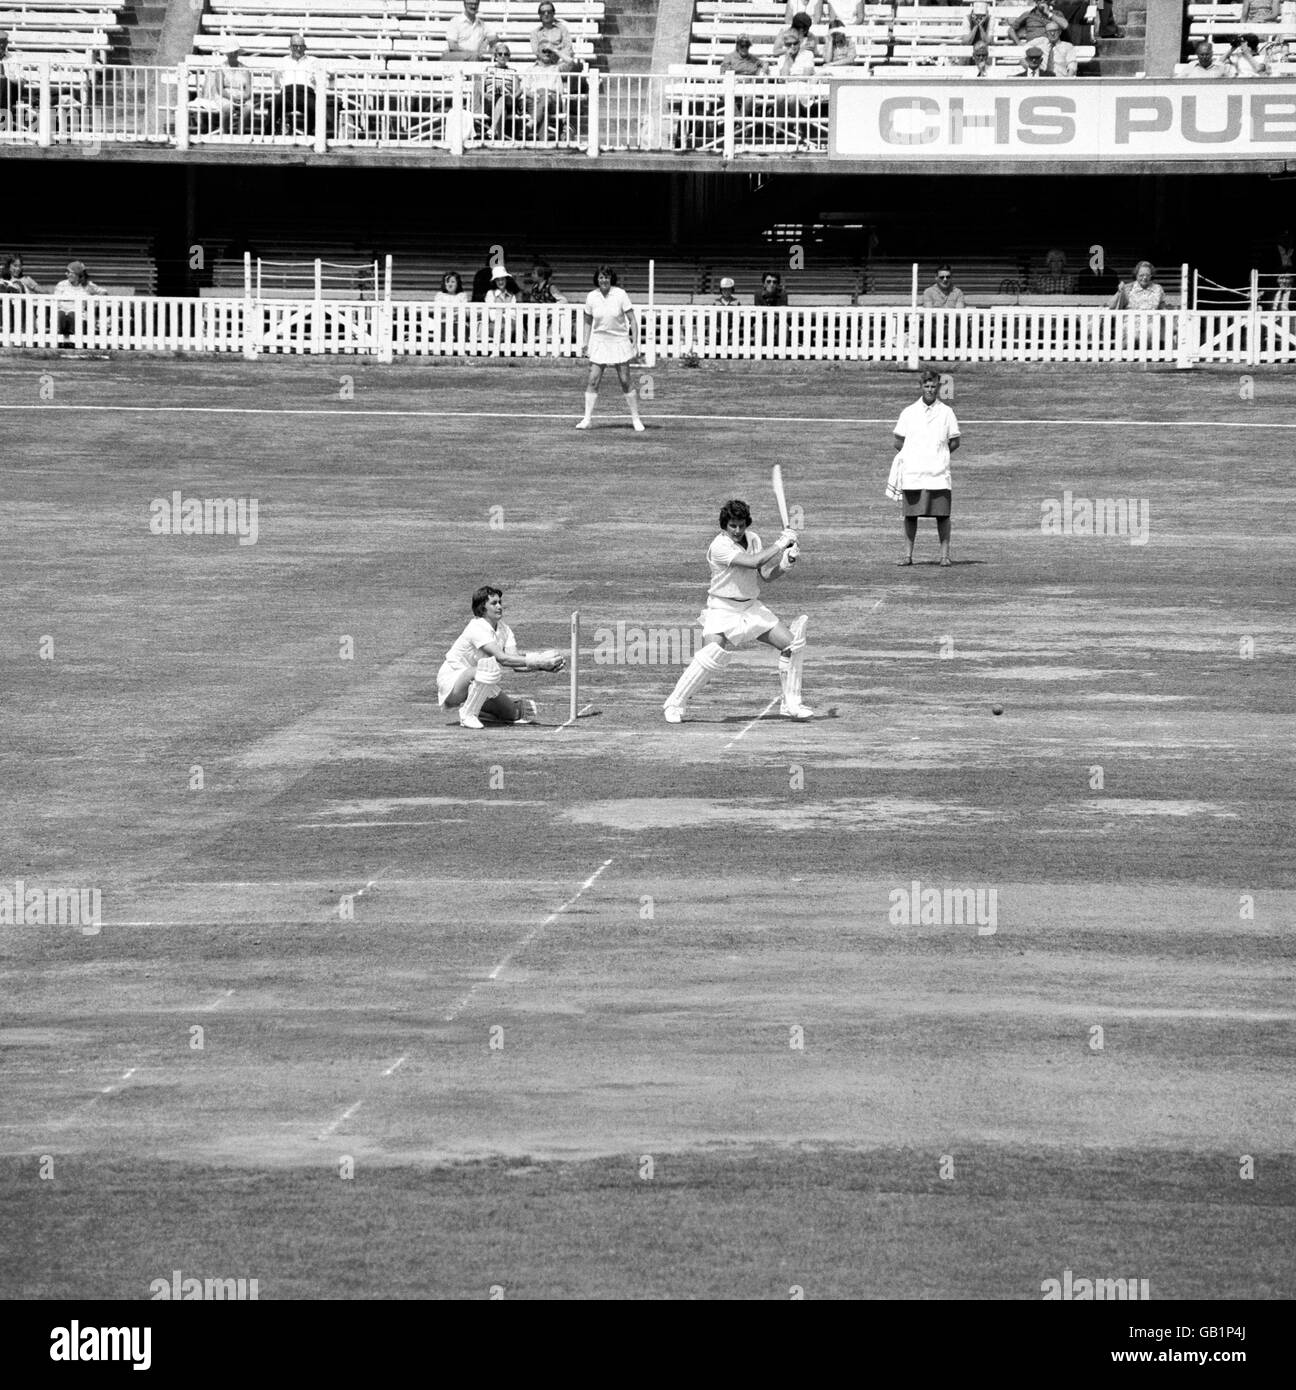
point(546, 91)
point(1033, 22)
point(229, 92)
point(1284, 300)
point(13, 90)
point(1059, 55)
point(1286, 247)
point(798, 28)
point(482, 282)
point(13, 277)
point(1261, 11)
point(979, 22)
point(1204, 64)
point(981, 59)
point(772, 294)
point(1054, 278)
point(77, 286)
point(1076, 14)
point(502, 93)
point(1142, 292)
point(839, 50)
point(294, 107)
point(452, 290)
point(543, 291)
point(944, 293)
point(1245, 58)
point(797, 61)
point(466, 38)
point(551, 32)
point(727, 299)
point(740, 61)
point(1033, 64)
point(504, 288)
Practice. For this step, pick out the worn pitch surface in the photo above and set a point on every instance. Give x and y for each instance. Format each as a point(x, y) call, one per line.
point(628, 1008)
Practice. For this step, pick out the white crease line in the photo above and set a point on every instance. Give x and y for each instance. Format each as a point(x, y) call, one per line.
point(823, 421)
point(396, 1064)
point(341, 1119)
point(215, 1004)
point(528, 939)
point(754, 722)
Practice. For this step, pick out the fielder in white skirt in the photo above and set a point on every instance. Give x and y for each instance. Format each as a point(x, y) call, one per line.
point(613, 342)
point(469, 678)
point(735, 616)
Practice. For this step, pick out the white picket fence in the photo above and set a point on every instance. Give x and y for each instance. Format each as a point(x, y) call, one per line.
point(385, 329)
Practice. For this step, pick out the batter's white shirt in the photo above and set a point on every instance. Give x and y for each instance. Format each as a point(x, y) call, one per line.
point(467, 654)
point(925, 457)
point(726, 580)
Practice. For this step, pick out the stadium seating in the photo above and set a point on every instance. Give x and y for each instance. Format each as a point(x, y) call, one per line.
point(119, 264)
point(888, 37)
point(71, 32)
point(369, 31)
point(1223, 23)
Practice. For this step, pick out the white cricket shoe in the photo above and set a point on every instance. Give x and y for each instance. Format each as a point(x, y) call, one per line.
point(639, 426)
point(796, 711)
point(583, 425)
point(470, 721)
point(674, 714)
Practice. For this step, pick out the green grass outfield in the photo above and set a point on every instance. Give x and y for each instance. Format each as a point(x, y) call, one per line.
point(389, 1009)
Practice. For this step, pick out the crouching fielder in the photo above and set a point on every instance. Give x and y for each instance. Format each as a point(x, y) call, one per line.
point(469, 678)
point(735, 616)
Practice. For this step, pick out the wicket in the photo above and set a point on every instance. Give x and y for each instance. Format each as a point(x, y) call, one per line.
point(573, 667)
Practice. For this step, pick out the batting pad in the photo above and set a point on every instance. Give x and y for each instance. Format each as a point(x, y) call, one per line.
point(478, 694)
point(710, 660)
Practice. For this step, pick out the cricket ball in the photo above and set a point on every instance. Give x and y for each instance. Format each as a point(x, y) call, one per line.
point(997, 709)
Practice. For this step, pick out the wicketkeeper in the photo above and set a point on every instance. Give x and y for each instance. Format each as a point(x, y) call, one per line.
point(735, 616)
point(469, 678)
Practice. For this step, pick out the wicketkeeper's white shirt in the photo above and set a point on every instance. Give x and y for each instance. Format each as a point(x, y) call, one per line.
point(467, 654)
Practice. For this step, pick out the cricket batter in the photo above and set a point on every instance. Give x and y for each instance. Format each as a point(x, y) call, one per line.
point(735, 616)
point(469, 678)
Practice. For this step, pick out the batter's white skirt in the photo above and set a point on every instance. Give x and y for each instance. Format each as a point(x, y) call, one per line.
point(741, 625)
point(609, 349)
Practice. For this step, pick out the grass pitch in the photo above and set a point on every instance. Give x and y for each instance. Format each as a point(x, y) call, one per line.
point(382, 1008)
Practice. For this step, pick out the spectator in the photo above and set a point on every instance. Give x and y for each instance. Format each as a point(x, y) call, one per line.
point(740, 61)
point(502, 92)
point(466, 38)
point(545, 93)
point(981, 59)
point(77, 286)
point(943, 293)
point(772, 294)
point(727, 298)
point(543, 290)
point(797, 61)
point(1054, 278)
point(13, 276)
point(1204, 65)
point(504, 288)
point(294, 109)
point(1286, 250)
point(1033, 22)
point(452, 290)
point(229, 91)
point(979, 22)
point(1142, 292)
point(1261, 12)
point(1059, 55)
point(1033, 64)
point(551, 32)
point(1076, 15)
point(13, 90)
point(798, 28)
point(839, 51)
point(1283, 303)
point(1245, 59)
